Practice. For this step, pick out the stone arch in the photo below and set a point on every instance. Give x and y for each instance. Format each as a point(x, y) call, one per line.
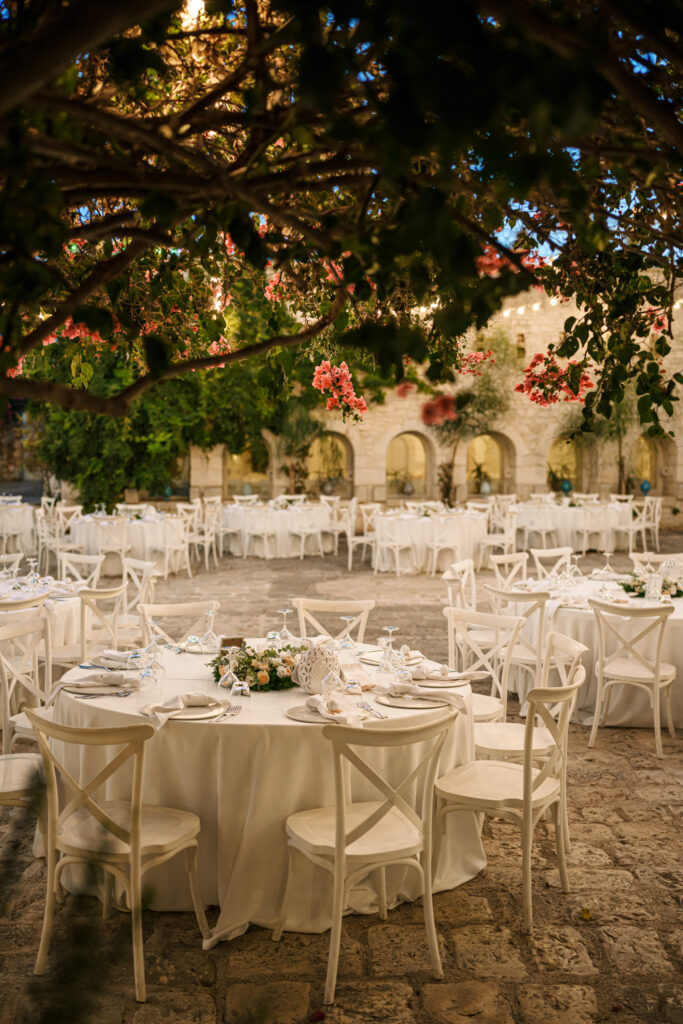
point(496, 454)
point(654, 459)
point(409, 461)
point(330, 464)
point(244, 475)
point(564, 462)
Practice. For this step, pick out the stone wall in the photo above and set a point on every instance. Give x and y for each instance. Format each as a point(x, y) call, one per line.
point(525, 434)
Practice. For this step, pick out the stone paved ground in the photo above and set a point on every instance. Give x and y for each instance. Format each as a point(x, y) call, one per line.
point(612, 950)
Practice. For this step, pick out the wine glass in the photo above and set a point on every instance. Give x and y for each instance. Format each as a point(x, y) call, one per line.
point(347, 642)
point(229, 677)
point(33, 575)
point(607, 568)
point(284, 636)
point(209, 640)
point(388, 662)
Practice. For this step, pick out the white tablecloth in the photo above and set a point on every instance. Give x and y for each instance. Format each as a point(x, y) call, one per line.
point(243, 776)
point(465, 530)
point(629, 706)
point(143, 535)
point(568, 522)
point(282, 522)
point(64, 614)
point(19, 519)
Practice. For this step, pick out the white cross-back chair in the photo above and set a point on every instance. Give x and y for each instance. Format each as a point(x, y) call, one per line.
point(502, 536)
point(594, 530)
point(461, 584)
point(83, 568)
point(652, 514)
point(390, 542)
point(11, 530)
point(140, 577)
point(442, 540)
point(635, 528)
point(582, 497)
point(654, 559)
point(202, 536)
point(366, 539)
point(354, 840)
point(256, 528)
point(112, 537)
point(336, 518)
point(621, 499)
point(526, 654)
point(65, 516)
point(125, 838)
point(307, 527)
point(306, 606)
point(245, 499)
point(149, 613)
point(465, 628)
point(134, 508)
point(551, 561)
point(225, 531)
point(173, 546)
point(52, 540)
point(519, 792)
point(100, 610)
point(23, 646)
point(540, 523)
point(504, 741)
point(630, 654)
point(48, 503)
point(509, 568)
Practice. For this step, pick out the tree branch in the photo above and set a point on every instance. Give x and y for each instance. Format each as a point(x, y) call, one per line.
point(118, 405)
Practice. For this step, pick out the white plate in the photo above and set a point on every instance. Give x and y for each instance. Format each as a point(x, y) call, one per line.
point(441, 684)
point(301, 713)
point(413, 703)
point(92, 688)
point(196, 714)
point(375, 659)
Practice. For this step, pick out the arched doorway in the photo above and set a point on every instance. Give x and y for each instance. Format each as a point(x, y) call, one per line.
point(407, 466)
point(564, 463)
point(485, 463)
point(330, 465)
point(244, 474)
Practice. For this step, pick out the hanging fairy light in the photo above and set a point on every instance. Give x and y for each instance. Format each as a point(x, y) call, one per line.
point(190, 13)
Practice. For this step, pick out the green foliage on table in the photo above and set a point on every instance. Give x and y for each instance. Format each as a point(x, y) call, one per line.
point(269, 669)
point(636, 585)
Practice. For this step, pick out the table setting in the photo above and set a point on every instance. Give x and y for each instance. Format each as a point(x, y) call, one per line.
point(61, 603)
point(143, 535)
point(280, 521)
point(235, 751)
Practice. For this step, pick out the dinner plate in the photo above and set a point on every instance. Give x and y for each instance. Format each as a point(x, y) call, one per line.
point(301, 713)
point(413, 703)
point(441, 683)
point(375, 659)
point(196, 714)
point(92, 688)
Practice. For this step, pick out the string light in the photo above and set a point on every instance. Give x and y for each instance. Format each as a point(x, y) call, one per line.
point(506, 312)
point(677, 305)
point(520, 309)
point(553, 302)
point(536, 306)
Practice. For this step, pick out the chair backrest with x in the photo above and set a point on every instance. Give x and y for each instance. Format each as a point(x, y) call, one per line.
point(112, 534)
point(100, 607)
point(551, 561)
point(12, 560)
point(86, 568)
point(465, 630)
point(66, 795)
point(532, 607)
point(508, 568)
point(140, 577)
point(412, 797)
point(462, 573)
point(552, 706)
point(150, 613)
point(616, 628)
point(305, 606)
point(369, 514)
point(654, 559)
point(20, 672)
point(65, 515)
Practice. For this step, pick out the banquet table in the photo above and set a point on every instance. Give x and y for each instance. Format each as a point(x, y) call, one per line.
point(568, 521)
point(243, 776)
point(143, 535)
point(569, 613)
point(280, 521)
point(17, 518)
point(62, 607)
point(463, 529)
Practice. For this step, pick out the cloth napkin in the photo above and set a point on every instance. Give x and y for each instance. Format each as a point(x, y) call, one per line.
point(115, 657)
point(429, 670)
point(173, 706)
point(104, 681)
point(353, 671)
point(401, 689)
point(317, 703)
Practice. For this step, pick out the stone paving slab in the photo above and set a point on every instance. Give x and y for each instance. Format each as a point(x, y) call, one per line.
point(611, 950)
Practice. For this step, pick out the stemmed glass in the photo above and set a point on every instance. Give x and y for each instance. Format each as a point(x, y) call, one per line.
point(285, 637)
point(388, 662)
point(209, 639)
point(607, 568)
point(347, 642)
point(33, 575)
point(238, 687)
point(15, 572)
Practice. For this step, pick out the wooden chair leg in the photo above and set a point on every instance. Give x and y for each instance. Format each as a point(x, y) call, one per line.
point(656, 707)
point(49, 911)
point(527, 842)
point(428, 909)
point(560, 846)
point(195, 891)
point(136, 928)
point(335, 938)
point(381, 882)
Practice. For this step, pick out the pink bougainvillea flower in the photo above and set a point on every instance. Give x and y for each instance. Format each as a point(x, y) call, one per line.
point(405, 387)
point(337, 381)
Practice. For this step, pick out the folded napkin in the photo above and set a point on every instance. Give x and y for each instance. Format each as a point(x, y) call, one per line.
point(327, 710)
point(429, 671)
point(104, 681)
point(117, 657)
point(353, 672)
point(403, 689)
point(174, 706)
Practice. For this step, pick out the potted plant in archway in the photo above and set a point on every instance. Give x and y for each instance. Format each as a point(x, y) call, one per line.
point(482, 479)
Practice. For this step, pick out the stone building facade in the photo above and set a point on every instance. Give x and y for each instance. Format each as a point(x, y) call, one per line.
point(524, 439)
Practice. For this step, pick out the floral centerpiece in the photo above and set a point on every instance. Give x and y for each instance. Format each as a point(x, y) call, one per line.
point(636, 585)
point(270, 669)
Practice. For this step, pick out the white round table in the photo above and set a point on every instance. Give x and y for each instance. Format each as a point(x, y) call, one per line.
point(243, 776)
point(63, 610)
point(281, 523)
point(143, 536)
point(568, 522)
point(465, 530)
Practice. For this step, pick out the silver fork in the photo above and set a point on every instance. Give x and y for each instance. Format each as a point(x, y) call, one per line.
point(230, 712)
point(364, 706)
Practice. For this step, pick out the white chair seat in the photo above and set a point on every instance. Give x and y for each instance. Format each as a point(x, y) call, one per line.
point(394, 836)
point(19, 773)
point(506, 740)
point(486, 709)
point(162, 829)
point(21, 725)
point(494, 784)
point(629, 668)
